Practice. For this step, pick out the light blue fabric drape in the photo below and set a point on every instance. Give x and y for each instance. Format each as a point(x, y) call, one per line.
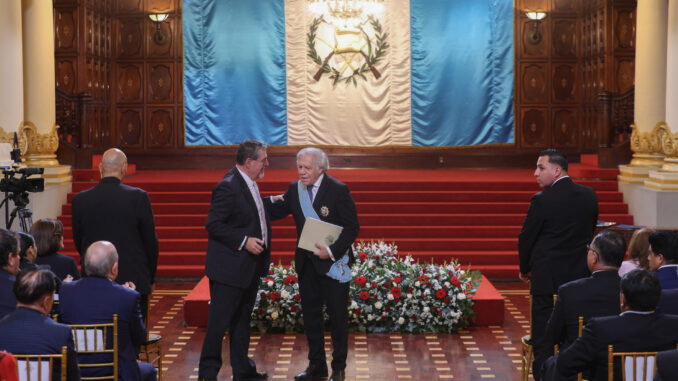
point(462, 72)
point(234, 71)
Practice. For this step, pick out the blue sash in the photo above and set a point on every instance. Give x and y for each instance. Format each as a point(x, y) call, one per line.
point(339, 270)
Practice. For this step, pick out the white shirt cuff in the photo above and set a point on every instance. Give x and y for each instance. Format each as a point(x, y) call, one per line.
point(242, 244)
point(331, 256)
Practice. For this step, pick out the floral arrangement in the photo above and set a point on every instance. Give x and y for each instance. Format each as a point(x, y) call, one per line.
point(388, 293)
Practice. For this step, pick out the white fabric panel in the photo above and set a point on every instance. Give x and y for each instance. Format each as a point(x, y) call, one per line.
point(375, 112)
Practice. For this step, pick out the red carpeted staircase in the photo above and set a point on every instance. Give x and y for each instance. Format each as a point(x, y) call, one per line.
point(472, 215)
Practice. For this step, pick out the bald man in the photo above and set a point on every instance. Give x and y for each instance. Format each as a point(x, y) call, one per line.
point(94, 299)
point(122, 215)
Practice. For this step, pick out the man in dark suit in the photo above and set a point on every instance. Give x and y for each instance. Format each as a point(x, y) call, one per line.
point(637, 329)
point(94, 299)
point(332, 202)
point(122, 215)
point(663, 257)
point(9, 268)
point(29, 329)
point(552, 243)
point(667, 365)
point(238, 254)
point(597, 295)
point(668, 303)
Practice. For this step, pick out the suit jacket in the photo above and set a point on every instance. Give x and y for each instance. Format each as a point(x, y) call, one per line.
point(627, 333)
point(7, 297)
point(667, 366)
point(668, 304)
point(552, 243)
point(597, 295)
point(120, 214)
point(668, 276)
point(26, 331)
point(60, 265)
point(233, 215)
point(94, 300)
point(333, 197)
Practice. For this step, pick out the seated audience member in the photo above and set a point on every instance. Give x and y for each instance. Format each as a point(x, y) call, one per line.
point(9, 268)
point(663, 258)
point(639, 248)
point(95, 298)
point(668, 303)
point(49, 237)
point(27, 251)
point(638, 328)
point(29, 329)
point(597, 295)
point(667, 366)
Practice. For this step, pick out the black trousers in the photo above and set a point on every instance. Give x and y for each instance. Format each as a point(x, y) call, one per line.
point(542, 306)
point(317, 290)
point(230, 309)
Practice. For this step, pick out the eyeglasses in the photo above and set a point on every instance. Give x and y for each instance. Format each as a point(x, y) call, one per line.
point(593, 249)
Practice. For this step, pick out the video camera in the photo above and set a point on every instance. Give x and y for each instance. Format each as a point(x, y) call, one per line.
point(13, 184)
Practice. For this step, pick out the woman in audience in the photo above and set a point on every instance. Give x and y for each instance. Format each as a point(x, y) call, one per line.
point(638, 251)
point(49, 238)
point(27, 252)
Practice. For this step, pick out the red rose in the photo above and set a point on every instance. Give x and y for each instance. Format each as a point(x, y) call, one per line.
point(363, 256)
point(374, 284)
point(388, 309)
point(275, 295)
point(397, 280)
point(297, 297)
point(414, 317)
point(261, 311)
point(455, 281)
point(440, 294)
point(290, 279)
point(447, 300)
point(376, 257)
point(360, 281)
point(364, 295)
point(357, 312)
point(293, 308)
point(387, 284)
point(409, 290)
point(270, 272)
point(395, 291)
point(263, 295)
point(440, 313)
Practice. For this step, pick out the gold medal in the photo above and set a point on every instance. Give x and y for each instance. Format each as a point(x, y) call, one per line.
point(325, 211)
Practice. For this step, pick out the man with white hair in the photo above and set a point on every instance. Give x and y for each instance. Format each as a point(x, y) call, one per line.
point(121, 214)
point(94, 299)
point(318, 195)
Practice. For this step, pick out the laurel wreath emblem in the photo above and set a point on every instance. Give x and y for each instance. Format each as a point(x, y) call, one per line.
point(372, 57)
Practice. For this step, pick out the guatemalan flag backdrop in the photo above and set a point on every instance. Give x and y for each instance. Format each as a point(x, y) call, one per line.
point(445, 74)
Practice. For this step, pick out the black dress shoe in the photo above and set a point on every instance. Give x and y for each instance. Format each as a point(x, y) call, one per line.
point(312, 373)
point(254, 376)
point(338, 375)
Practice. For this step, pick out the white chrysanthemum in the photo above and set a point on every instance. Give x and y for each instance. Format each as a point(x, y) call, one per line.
point(461, 296)
point(284, 294)
point(389, 296)
point(269, 283)
point(409, 296)
point(401, 320)
point(377, 305)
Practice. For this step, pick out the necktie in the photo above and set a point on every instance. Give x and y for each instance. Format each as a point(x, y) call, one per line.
point(260, 208)
point(309, 189)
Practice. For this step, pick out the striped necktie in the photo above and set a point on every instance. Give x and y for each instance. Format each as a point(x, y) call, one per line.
point(260, 208)
point(309, 189)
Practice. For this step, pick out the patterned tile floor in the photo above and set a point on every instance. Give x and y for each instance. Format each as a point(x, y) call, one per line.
point(479, 353)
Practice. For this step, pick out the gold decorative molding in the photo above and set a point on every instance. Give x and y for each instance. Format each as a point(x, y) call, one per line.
point(646, 147)
point(668, 140)
point(8, 137)
point(41, 148)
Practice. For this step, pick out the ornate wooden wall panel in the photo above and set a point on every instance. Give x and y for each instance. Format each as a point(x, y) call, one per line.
point(564, 83)
point(159, 80)
point(160, 127)
point(535, 127)
point(534, 83)
point(130, 83)
point(130, 128)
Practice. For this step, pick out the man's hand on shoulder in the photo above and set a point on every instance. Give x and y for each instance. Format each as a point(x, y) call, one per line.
point(277, 198)
point(254, 245)
point(129, 285)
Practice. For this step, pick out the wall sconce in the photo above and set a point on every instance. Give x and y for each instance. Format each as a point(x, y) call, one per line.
point(159, 37)
point(533, 35)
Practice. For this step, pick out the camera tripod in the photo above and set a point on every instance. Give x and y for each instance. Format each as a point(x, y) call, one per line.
point(25, 215)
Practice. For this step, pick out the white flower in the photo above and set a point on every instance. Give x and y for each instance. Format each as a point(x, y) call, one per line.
point(354, 305)
point(447, 285)
point(409, 296)
point(377, 305)
point(401, 320)
point(274, 315)
point(427, 292)
point(370, 317)
point(426, 309)
point(417, 284)
point(284, 294)
point(389, 297)
point(269, 283)
point(461, 296)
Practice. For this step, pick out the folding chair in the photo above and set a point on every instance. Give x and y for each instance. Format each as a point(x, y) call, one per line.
point(92, 339)
point(39, 367)
point(152, 348)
